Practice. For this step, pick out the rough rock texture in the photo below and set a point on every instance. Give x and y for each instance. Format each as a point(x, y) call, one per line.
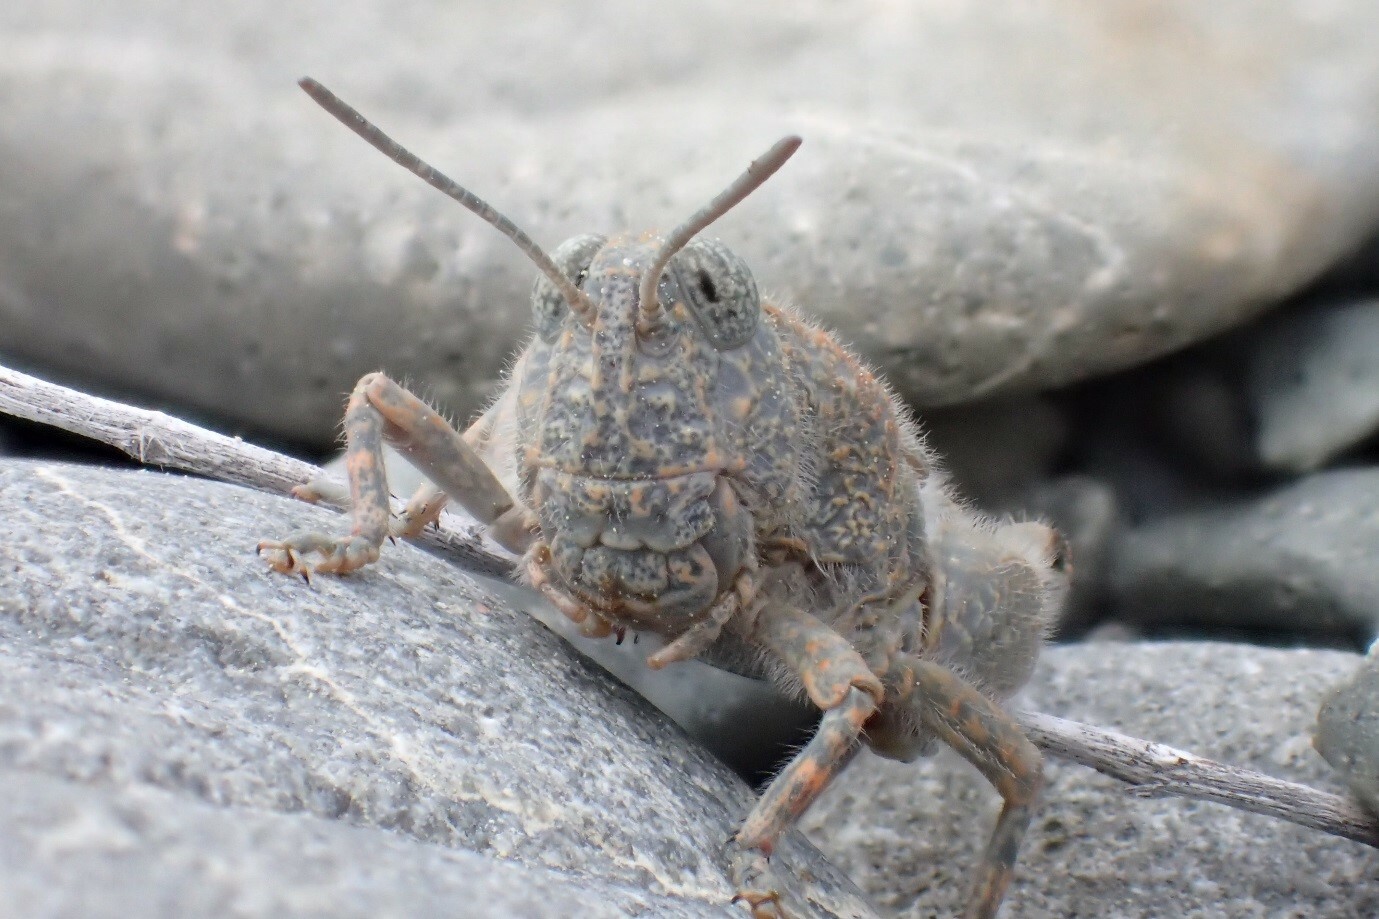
point(1314, 384)
point(1348, 729)
point(901, 830)
point(746, 723)
point(1299, 559)
point(369, 744)
point(988, 198)
point(135, 850)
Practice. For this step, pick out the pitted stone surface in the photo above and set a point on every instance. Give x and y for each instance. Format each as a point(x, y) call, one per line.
point(151, 662)
point(72, 850)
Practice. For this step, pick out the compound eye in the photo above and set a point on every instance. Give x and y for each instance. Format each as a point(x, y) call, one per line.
point(719, 290)
point(548, 307)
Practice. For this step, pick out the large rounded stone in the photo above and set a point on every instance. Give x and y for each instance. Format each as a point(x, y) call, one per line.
point(167, 702)
point(988, 199)
point(909, 832)
point(1348, 729)
point(1299, 561)
point(1314, 384)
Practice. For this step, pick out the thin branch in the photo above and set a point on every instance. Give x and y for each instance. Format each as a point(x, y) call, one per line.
point(1150, 769)
point(158, 439)
point(1153, 770)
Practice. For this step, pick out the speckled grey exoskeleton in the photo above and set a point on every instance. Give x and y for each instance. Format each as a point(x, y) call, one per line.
point(673, 454)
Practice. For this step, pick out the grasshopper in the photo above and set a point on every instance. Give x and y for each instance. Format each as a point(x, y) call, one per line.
point(673, 454)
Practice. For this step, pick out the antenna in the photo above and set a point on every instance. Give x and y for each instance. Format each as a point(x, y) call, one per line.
point(761, 169)
point(579, 302)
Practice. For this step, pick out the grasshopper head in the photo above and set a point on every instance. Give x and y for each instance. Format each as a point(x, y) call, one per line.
point(705, 285)
point(620, 398)
point(632, 401)
point(636, 336)
point(632, 435)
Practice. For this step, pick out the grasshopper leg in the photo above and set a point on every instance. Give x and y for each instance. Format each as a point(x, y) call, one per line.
point(423, 509)
point(837, 679)
point(985, 735)
point(380, 409)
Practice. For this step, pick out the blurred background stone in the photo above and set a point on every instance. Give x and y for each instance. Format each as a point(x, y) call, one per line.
point(1314, 384)
point(986, 201)
point(1348, 729)
point(1300, 560)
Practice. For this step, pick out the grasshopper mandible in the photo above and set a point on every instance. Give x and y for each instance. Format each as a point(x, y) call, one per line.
point(672, 454)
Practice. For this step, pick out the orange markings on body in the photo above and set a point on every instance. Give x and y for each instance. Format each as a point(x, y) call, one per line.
point(824, 500)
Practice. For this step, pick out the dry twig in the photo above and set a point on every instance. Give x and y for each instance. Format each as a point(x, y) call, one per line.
point(1154, 770)
point(158, 439)
point(1150, 769)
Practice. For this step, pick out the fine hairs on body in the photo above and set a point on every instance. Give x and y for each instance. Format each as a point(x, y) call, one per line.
point(673, 454)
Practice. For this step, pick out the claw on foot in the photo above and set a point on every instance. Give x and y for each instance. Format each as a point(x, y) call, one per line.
point(282, 559)
point(767, 907)
point(755, 883)
point(339, 555)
